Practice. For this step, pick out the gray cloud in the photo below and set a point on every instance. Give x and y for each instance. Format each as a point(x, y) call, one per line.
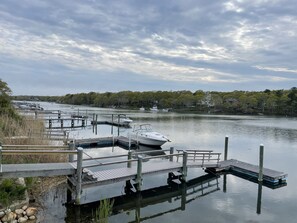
point(147, 45)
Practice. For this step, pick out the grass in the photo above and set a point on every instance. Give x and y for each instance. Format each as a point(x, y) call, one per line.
point(17, 130)
point(25, 131)
point(103, 211)
point(10, 191)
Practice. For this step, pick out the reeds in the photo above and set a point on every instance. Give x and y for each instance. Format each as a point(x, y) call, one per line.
point(25, 131)
point(103, 211)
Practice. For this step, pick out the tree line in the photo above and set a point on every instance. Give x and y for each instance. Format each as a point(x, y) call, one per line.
point(268, 102)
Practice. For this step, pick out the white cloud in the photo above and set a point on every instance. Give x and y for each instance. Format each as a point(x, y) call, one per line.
point(277, 69)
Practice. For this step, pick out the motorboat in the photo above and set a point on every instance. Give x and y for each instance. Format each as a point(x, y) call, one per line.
point(125, 120)
point(142, 109)
point(144, 134)
point(154, 108)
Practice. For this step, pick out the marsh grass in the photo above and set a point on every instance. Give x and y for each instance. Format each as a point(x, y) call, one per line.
point(25, 131)
point(103, 211)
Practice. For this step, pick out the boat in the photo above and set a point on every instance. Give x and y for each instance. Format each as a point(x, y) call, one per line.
point(144, 134)
point(154, 108)
point(125, 120)
point(142, 109)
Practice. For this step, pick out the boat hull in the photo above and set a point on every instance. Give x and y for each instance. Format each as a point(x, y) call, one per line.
point(148, 141)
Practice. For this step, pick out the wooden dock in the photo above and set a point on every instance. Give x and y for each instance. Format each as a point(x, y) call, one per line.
point(235, 166)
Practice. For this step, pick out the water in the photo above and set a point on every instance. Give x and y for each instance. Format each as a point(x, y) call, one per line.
point(209, 200)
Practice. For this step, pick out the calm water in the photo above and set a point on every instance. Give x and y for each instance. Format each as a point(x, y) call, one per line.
point(207, 200)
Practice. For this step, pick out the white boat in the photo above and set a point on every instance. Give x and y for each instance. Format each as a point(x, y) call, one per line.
point(125, 120)
point(154, 108)
point(144, 134)
point(142, 109)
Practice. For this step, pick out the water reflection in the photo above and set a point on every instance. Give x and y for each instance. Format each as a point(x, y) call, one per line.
point(259, 198)
point(178, 194)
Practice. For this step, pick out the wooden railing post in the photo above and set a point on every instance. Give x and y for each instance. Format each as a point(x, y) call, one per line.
point(184, 168)
point(171, 152)
point(261, 157)
point(226, 148)
point(79, 174)
point(139, 173)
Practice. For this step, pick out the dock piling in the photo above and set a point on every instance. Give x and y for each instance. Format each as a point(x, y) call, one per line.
point(184, 170)
point(0, 158)
point(139, 173)
point(171, 152)
point(79, 174)
point(72, 148)
point(226, 147)
point(261, 157)
point(129, 158)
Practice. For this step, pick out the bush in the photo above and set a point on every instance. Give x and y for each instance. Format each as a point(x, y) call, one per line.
point(11, 191)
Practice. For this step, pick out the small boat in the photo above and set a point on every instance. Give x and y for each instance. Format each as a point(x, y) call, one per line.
point(142, 109)
point(154, 108)
point(144, 134)
point(125, 120)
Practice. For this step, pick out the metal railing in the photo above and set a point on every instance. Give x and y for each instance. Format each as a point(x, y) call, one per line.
point(202, 156)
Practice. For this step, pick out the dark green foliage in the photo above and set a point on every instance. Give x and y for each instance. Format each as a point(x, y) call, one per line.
point(10, 191)
point(269, 102)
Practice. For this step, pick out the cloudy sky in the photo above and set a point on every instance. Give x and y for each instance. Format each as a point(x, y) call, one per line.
point(55, 47)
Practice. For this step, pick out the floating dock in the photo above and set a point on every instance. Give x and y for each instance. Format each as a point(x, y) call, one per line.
point(118, 124)
point(272, 177)
point(106, 142)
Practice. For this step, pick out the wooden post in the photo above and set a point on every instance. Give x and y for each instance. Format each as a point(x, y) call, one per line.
point(72, 148)
point(129, 164)
point(35, 114)
point(61, 123)
point(112, 125)
point(226, 148)
point(183, 199)
point(260, 177)
point(139, 173)
point(184, 170)
point(118, 125)
point(129, 141)
point(171, 152)
point(64, 137)
point(96, 128)
point(0, 157)
point(72, 123)
point(79, 174)
point(49, 123)
point(59, 114)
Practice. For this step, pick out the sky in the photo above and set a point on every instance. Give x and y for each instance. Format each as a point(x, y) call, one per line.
point(54, 47)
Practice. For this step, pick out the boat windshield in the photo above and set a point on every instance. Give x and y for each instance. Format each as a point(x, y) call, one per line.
point(144, 127)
